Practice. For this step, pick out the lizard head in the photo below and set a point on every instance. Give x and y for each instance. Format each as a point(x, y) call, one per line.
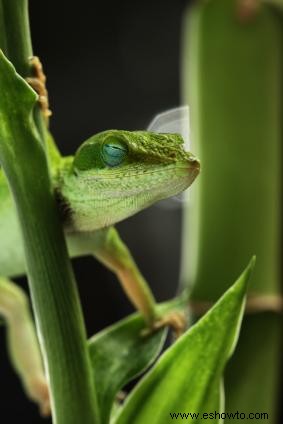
point(115, 174)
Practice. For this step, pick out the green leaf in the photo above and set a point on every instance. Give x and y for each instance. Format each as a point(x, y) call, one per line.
point(17, 101)
point(13, 86)
point(118, 354)
point(187, 378)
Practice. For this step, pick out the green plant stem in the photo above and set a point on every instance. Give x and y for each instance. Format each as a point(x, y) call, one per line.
point(54, 294)
point(17, 45)
point(17, 34)
point(233, 84)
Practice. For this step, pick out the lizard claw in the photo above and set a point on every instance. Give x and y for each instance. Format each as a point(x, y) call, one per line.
point(175, 320)
point(121, 396)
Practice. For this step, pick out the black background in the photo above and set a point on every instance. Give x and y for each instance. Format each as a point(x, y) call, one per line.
point(109, 65)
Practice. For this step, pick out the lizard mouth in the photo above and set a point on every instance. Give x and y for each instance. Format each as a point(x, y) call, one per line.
point(194, 168)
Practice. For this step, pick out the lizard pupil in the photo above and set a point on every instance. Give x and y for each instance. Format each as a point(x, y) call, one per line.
point(113, 154)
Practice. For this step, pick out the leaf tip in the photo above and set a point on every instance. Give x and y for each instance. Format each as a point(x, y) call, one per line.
point(244, 278)
point(249, 270)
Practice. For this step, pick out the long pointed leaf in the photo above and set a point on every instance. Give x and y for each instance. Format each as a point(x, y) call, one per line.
point(187, 378)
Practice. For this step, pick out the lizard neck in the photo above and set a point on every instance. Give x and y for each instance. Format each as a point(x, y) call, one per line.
point(93, 201)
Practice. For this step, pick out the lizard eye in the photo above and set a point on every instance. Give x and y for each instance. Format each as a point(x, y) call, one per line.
point(113, 152)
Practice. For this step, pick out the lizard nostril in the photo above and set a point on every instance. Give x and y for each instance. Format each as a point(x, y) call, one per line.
point(196, 165)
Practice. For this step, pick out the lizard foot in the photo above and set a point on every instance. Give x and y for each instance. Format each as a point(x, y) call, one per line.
point(121, 396)
point(175, 320)
point(37, 82)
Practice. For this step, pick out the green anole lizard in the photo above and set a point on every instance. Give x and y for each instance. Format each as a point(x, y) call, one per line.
point(112, 176)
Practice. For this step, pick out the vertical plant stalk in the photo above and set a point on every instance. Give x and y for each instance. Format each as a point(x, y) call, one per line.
point(54, 294)
point(232, 70)
point(15, 41)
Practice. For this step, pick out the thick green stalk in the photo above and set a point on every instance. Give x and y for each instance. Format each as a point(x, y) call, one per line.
point(232, 82)
point(17, 34)
point(17, 45)
point(54, 294)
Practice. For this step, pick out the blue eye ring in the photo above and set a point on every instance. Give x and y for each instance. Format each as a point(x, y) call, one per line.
point(113, 152)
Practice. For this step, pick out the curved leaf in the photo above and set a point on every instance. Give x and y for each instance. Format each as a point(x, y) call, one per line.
point(118, 354)
point(187, 378)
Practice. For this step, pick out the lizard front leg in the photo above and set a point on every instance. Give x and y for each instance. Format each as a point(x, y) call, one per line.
point(115, 255)
point(23, 344)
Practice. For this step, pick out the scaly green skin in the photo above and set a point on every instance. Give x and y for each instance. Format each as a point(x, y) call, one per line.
point(155, 167)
